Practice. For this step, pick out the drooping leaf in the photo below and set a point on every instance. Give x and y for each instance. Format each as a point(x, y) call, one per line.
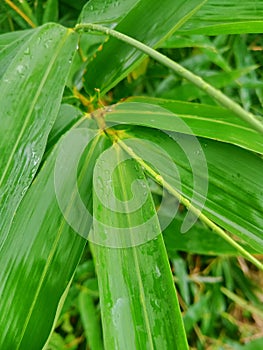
point(132, 266)
point(203, 120)
point(31, 91)
point(148, 22)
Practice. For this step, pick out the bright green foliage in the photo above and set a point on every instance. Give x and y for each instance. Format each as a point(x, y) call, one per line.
point(136, 303)
point(32, 84)
point(71, 170)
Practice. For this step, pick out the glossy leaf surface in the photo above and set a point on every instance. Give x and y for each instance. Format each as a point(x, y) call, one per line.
point(234, 199)
point(41, 252)
point(12, 47)
point(226, 17)
point(206, 121)
point(31, 91)
point(8, 38)
point(133, 279)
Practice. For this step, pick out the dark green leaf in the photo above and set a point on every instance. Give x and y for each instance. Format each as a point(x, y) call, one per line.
point(148, 22)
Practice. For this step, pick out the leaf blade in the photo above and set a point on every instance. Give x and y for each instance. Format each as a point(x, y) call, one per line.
point(28, 111)
point(143, 23)
point(42, 250)
point(203, 120)
point(233, 201)
point(216, 17)
point(133, 297)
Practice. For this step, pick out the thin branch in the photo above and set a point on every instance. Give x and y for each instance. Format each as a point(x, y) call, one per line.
point(191, 207)
point(21, 13)
point(180, 70)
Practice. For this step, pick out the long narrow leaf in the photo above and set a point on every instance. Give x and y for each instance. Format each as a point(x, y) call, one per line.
point(41, 252)
point(234, 198)
point(204, 120)
point(216, 17)
point(31, 91)
point(135, 282)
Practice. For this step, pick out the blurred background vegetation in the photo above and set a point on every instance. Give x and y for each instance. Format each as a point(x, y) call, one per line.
point(220, 294)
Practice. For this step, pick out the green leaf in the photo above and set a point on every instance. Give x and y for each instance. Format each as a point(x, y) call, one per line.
point(198, 240)
point(8, 38)
point(11, 49)
point(51, 11)
point(195, 313)
point(148, 22)
point(41, 252)
point(226, 17)
point(203, 120)
point(31, 91)
point(131, 261)
point(108, 12)
point(234, 199)
point(67, 116)
point(90, 319)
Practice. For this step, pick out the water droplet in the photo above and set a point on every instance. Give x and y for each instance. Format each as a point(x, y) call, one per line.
point(27, 51)
point(20, 70)
point(47, 43)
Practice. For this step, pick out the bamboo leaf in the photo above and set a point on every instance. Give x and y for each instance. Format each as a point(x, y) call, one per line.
point(198, 240)
point(216, 17)
point(148, 22)
point(216, 94)
point(203, 120)
point(234, 198)
point(8, 38)
point(41, 252)
point(10, 48)
point(51, 11)
point(90, 320)
point(132, 266)
point(31, 91)
point(108, 12)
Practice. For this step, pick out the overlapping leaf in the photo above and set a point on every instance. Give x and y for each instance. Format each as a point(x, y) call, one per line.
point(234, 199)
point(31, 90)
point(115, 60)
point(206, 121)
point(41, 252)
